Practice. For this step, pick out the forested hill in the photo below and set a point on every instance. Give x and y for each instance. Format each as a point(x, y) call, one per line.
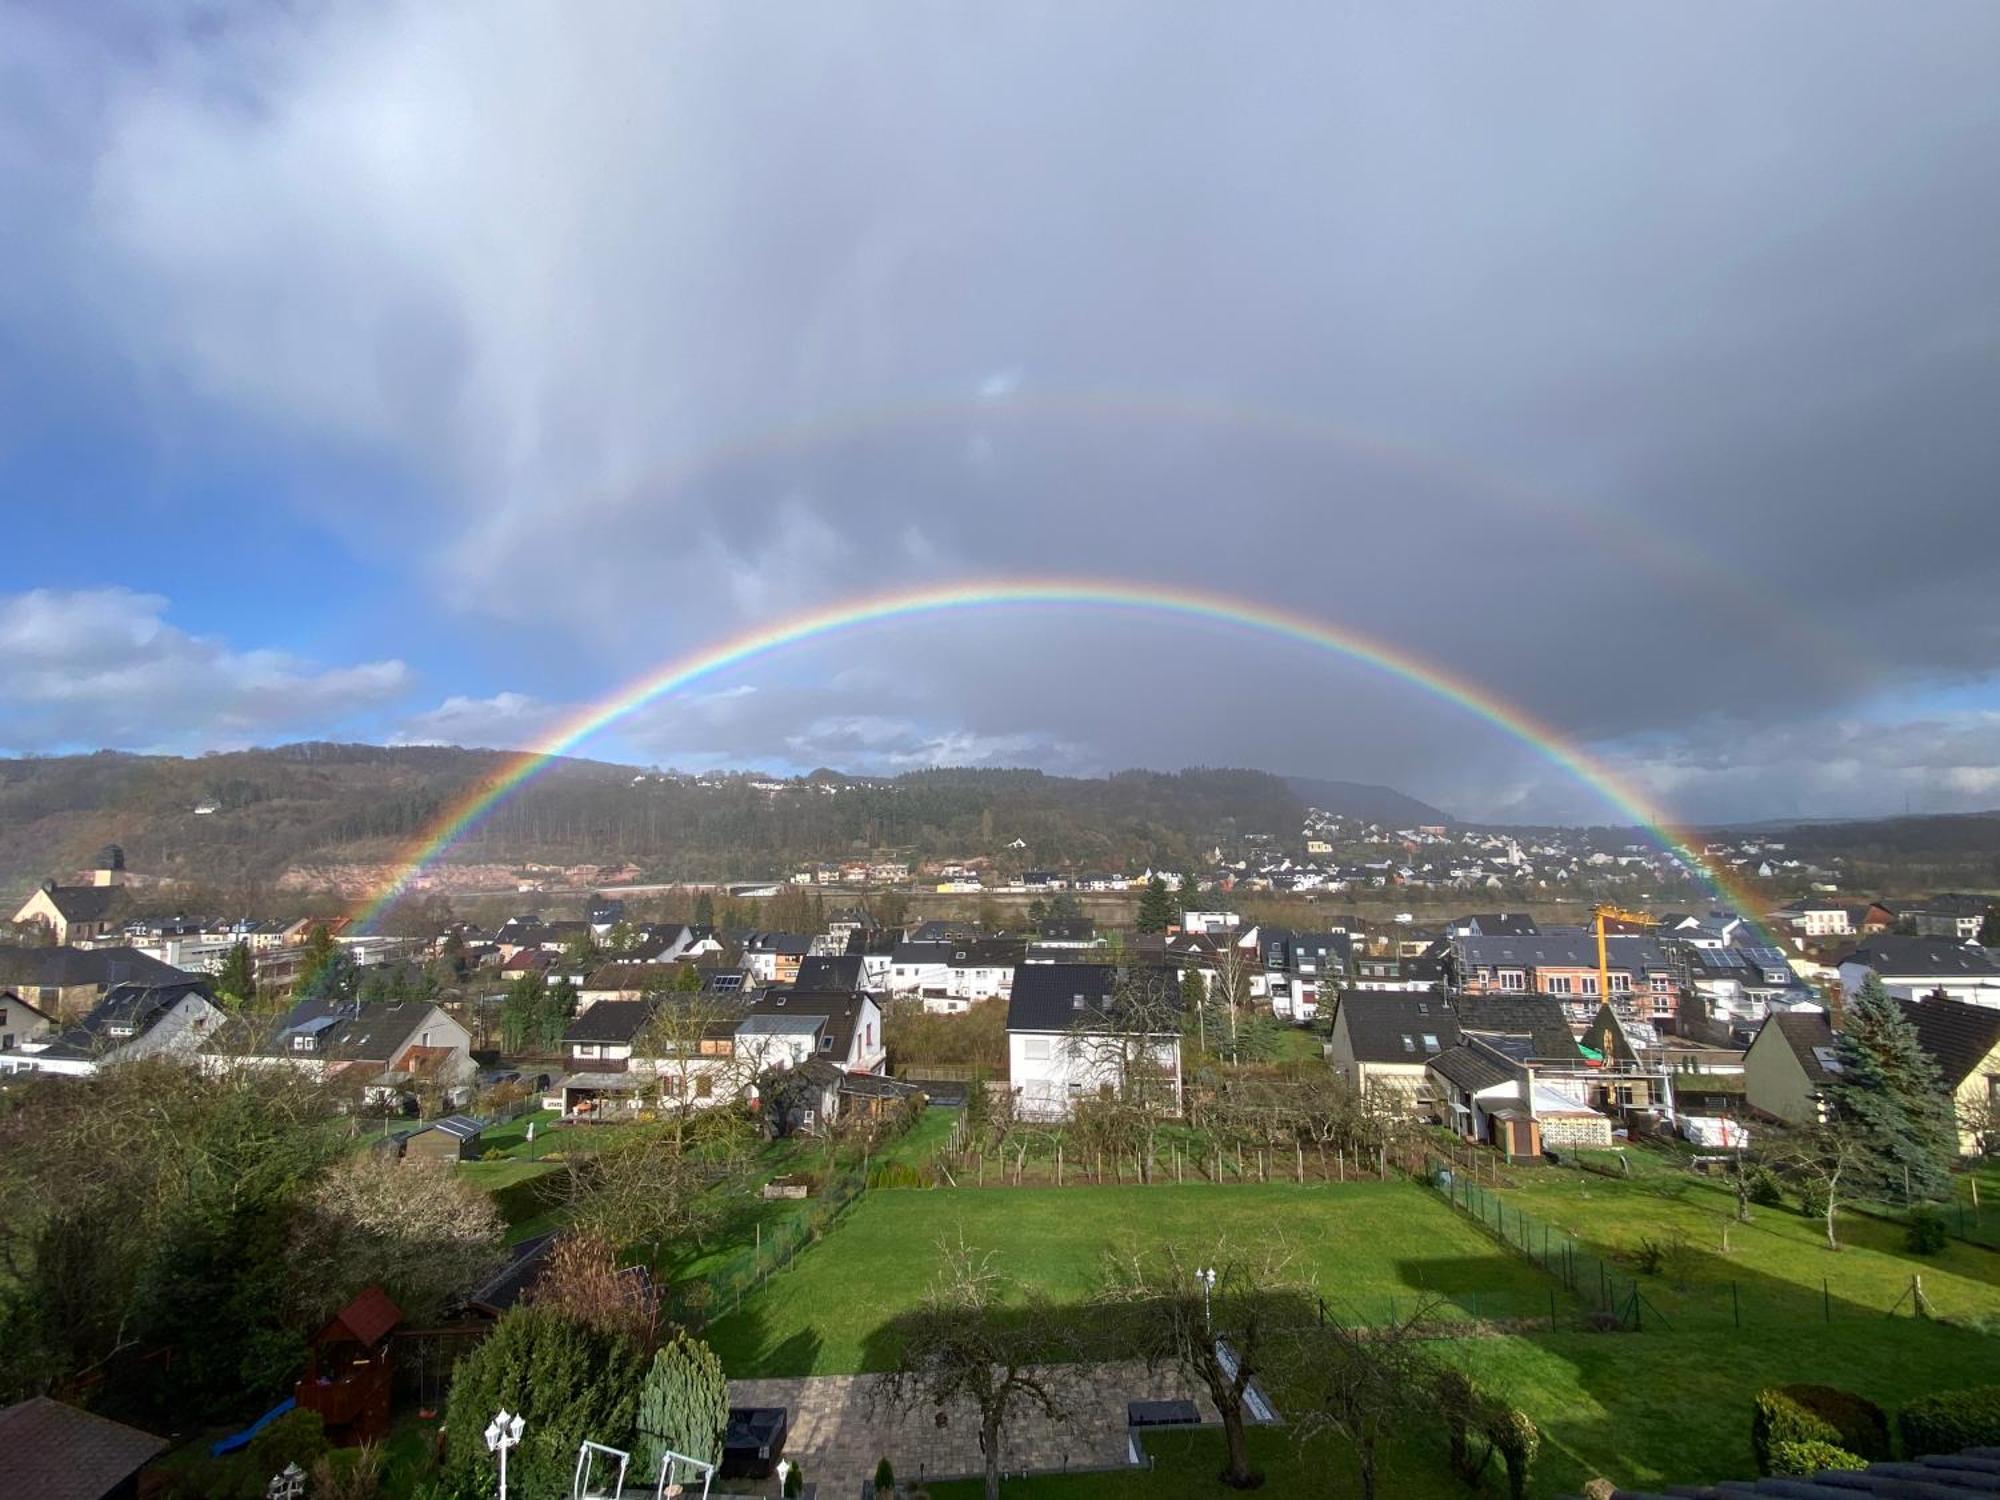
point(298, 807)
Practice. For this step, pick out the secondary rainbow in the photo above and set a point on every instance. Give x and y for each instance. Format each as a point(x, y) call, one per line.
point(1070, 593)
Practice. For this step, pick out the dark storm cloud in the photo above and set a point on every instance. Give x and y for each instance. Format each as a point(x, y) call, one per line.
point(1639, 363)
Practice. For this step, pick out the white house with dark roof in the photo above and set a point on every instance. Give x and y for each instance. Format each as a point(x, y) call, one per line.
point(131, 1022)
point(1382, 1042)
point(1071, 1034)
point(1913, 967)
point(387, 1047)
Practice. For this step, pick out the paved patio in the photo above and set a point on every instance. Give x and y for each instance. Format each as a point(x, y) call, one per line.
point(840, 1430)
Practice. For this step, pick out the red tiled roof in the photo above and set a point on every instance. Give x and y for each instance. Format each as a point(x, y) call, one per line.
point(367, 1319)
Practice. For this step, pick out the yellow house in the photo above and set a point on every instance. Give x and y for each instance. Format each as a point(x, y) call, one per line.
point(1790, 1061)
point(1964, 1041)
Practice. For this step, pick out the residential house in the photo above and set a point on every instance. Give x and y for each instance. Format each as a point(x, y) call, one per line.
point(1789, 1064)
point(1076, 1031)
point(1381, 1043)
point(1562, 962)
point(71, 913)
point(1817, 916)
point(67, 983)
point(1488, 1088)
point(1493, 924)
point(1964, 1041)
point(131, 1022)
point(921, 969)
point(1950, 915)
point(774, 957)
point(21, 1022)
point(785, 1027)
point(1060, 936)
point(981, 970)
point(388, 1049)
point(1912, 967)
point(830, 974)
point(1317, 963)
point(1726, 991)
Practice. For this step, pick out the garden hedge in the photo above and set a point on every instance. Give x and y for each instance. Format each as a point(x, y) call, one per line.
point(1812, 1458)
point(1794, 1414)
point(1950, 1420)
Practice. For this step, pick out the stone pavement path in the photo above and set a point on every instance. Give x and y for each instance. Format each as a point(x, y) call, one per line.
point(840, 1430)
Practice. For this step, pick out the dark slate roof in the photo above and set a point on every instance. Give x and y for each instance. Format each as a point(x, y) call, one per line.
point(987, 953)
point(1068, 930)
point(1472, 1067)
point(1892, 957)
point(1046, 996)
point(1804, 1031)
point(1538, 1017)
point(1390, 1028)
point(82, 903)
point(944, 930)
point(1562, 947)
point(59, 1452)
point(1499, 924)
point(523, 1268)
point(126, 1013)
point(786, 943)
point(610, 1021)
point(818, 973)
point(1063, 997)
point(67, 968)
point(1975, 1471)
point(361, 1030)
point(922, 953)
point(1958, 1036)
point(840, 1008)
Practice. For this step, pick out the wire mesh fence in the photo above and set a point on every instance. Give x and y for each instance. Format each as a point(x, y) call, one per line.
point(721, 1288)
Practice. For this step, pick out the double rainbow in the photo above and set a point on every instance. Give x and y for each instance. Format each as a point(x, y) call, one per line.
point(1070, 593)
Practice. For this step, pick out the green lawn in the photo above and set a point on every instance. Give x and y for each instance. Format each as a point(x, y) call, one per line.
point(1371, 1250)
point(1778, 1264)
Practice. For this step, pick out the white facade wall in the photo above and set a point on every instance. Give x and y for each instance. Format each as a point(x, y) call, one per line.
point(1051, 1070)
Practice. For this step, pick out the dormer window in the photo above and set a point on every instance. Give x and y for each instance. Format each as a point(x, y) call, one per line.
point(1409, 1044)
point(303, 1043)
point(826, 1044)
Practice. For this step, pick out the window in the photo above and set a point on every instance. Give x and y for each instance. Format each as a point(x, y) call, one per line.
point(1409, 1044)
point(1513, 979)
point(1621, 984)
point(1035, 1049)
point(826, 1044)
point(704, 1087)
point(1660, 983)
point(1589, 982)
point(1430, 1042)
point(1560, 984)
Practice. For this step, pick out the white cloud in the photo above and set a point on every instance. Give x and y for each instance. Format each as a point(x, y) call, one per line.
point(505, 721)
point(89, 667)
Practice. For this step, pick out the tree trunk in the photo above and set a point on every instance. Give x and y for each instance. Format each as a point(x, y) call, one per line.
point(1364, 1454)
point(1238, 1474)
point(989, 1447)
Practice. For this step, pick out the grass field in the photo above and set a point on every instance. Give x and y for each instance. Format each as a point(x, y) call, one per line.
point(1370, 1249)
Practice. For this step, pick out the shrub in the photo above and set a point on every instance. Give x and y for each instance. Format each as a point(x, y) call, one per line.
point(1812, 1458)
point(569, 1382)
point(885, 1477)
point(1517, 1440)
point(1822, 1414)
point(349, 1474)
point(1926, 1232)
point(1951, 1420)
point(298, 1437)
point(1764, 1188)
point(1670, 1256)
point(795, 1482)
point(1812, 1200)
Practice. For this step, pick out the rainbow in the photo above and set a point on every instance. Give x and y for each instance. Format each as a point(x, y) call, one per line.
point(1073, 593)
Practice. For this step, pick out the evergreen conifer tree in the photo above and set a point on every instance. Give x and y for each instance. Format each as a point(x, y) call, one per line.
point(1157, 911)
point(683, 1406)
point(1889, 1091)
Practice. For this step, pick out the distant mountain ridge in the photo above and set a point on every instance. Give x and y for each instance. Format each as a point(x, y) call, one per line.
point(1367, 801)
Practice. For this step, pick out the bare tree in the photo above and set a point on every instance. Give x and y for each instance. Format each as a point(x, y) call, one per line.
point(1823, 1164)
point(1359, 1382)
point(981, 1340)
point(1212, 1316)
point(1129, 1048)
point(643, 1191)
point(688, 1054)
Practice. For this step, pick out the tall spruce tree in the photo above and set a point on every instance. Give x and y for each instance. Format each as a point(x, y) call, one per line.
point(683, 1407)
point(1157, 911)
point(1889, 1091)
point(236, 982)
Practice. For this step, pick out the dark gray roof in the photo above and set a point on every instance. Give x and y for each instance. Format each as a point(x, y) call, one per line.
point(1471, 1066)
point(944, 930)
point(362, 1030)
point(1067, 930)
point(820, 973)
point(1959, 1037)
point(922, 953)
point(987, 953)
point(523, 1268)
point(60, 1452)
point(1056, 997)
point(1565, 947)
point(1390, 1028)
point(841, 1009)
point(1538, 1017)
point(1895, 957)
point(68, 968)
point(126, 1013)
point(1805, 1032)
point(82, 903)
point(1499, 924)
point(616, 1021)
point(786, 943)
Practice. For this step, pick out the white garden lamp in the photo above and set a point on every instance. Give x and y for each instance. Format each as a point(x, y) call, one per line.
point(1206, 1276)
point(502, 1433)
point(784, 1473)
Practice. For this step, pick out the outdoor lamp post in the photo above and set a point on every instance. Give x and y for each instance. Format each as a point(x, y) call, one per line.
point(502, 1433)
point(784, 1473)
point(1206, 1276)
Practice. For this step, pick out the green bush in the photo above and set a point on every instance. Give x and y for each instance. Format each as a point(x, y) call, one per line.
point(1951, 1420)
point(885, 1477)
point(1764, 1188)
point(1517, 1440)
point(298, 1437)
point(1926, 1232)
point(567, 1381)
point(1812, 1458)
point(1822, 1414)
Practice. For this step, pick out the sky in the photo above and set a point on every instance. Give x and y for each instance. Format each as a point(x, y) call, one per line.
point(424, 372)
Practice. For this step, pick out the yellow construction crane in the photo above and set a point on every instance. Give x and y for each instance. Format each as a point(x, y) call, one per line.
point(1604, 913)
